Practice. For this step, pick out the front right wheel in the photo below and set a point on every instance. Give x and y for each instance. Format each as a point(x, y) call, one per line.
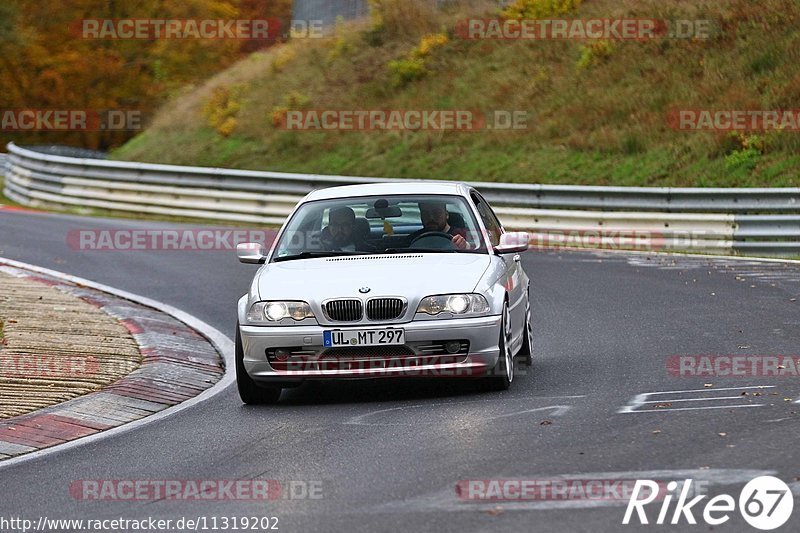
point(249, 391)
point(526, 350)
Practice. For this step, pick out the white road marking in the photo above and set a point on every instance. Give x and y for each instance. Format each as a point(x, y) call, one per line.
point(361, 420)
point(697, 399)
point(715, 389)
point(696, 408)
point(644, 399)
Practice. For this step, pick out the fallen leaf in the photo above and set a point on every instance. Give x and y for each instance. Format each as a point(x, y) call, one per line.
point(545, 422)
point(722, 434)
point(662, 405)
point(494, 511)
point(708, 385)
point(656, 431)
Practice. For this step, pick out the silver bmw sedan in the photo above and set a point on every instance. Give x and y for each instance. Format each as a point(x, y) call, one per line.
point(411, 279)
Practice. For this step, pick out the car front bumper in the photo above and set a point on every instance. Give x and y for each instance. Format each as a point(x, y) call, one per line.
point(482, 333)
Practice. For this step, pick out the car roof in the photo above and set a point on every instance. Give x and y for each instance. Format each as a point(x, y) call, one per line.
point(390, 187)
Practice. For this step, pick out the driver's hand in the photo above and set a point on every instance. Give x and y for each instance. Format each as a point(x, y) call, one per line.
point(460, 242)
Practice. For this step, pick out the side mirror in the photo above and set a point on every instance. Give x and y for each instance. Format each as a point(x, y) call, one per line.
point(513, 241)
point(250, 252)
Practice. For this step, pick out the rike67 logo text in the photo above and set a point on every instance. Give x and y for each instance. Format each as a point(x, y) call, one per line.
point(765, 503)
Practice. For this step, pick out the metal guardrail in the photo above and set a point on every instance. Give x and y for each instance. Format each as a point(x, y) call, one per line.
point(753, 221)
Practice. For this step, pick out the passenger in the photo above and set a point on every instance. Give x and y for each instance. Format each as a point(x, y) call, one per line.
point(340, 234)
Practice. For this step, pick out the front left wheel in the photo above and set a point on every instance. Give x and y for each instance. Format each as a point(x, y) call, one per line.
point(249, 391)
point(503, 372)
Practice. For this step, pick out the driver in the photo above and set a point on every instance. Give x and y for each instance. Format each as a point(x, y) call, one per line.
point(433, 215)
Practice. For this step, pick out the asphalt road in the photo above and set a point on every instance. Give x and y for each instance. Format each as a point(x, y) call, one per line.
point(389, 453)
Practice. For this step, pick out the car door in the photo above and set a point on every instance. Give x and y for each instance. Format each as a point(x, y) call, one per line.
point(514, 277)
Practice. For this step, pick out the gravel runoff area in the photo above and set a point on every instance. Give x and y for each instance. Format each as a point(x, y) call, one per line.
point(75, 360)
point(56, 346)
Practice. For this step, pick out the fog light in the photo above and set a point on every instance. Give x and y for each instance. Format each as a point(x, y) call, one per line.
point(452, 346)
point(282, 355)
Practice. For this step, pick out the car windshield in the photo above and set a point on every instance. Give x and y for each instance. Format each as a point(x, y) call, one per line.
point(380, 224)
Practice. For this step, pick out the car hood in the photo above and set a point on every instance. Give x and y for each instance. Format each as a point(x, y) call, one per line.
point(410, 275)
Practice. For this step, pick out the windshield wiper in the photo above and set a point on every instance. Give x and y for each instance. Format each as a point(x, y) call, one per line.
point(412, 250)
point(308, 255)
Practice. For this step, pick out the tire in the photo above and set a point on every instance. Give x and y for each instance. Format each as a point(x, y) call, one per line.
point(249, 391)
point(503, 372)
point(526, 350)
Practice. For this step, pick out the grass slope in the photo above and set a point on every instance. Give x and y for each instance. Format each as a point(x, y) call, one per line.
point(602, 124)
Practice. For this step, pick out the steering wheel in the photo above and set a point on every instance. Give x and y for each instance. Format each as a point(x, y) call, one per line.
point(437, 239)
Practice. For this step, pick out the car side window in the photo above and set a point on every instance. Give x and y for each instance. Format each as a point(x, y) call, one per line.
point(489, 219)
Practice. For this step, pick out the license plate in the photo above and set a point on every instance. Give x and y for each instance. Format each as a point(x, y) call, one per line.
point(363, 337)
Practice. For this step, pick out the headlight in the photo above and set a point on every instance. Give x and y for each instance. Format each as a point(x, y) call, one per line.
point(457, 304)
point(277, 311)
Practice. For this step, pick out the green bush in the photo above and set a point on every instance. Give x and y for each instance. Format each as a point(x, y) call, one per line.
point(292, 100)
point(413, 66)
point(745, 159)
point(407, 70)
point(594, 53)
point(403, 18)
point(539, 9)
point(221, 109)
